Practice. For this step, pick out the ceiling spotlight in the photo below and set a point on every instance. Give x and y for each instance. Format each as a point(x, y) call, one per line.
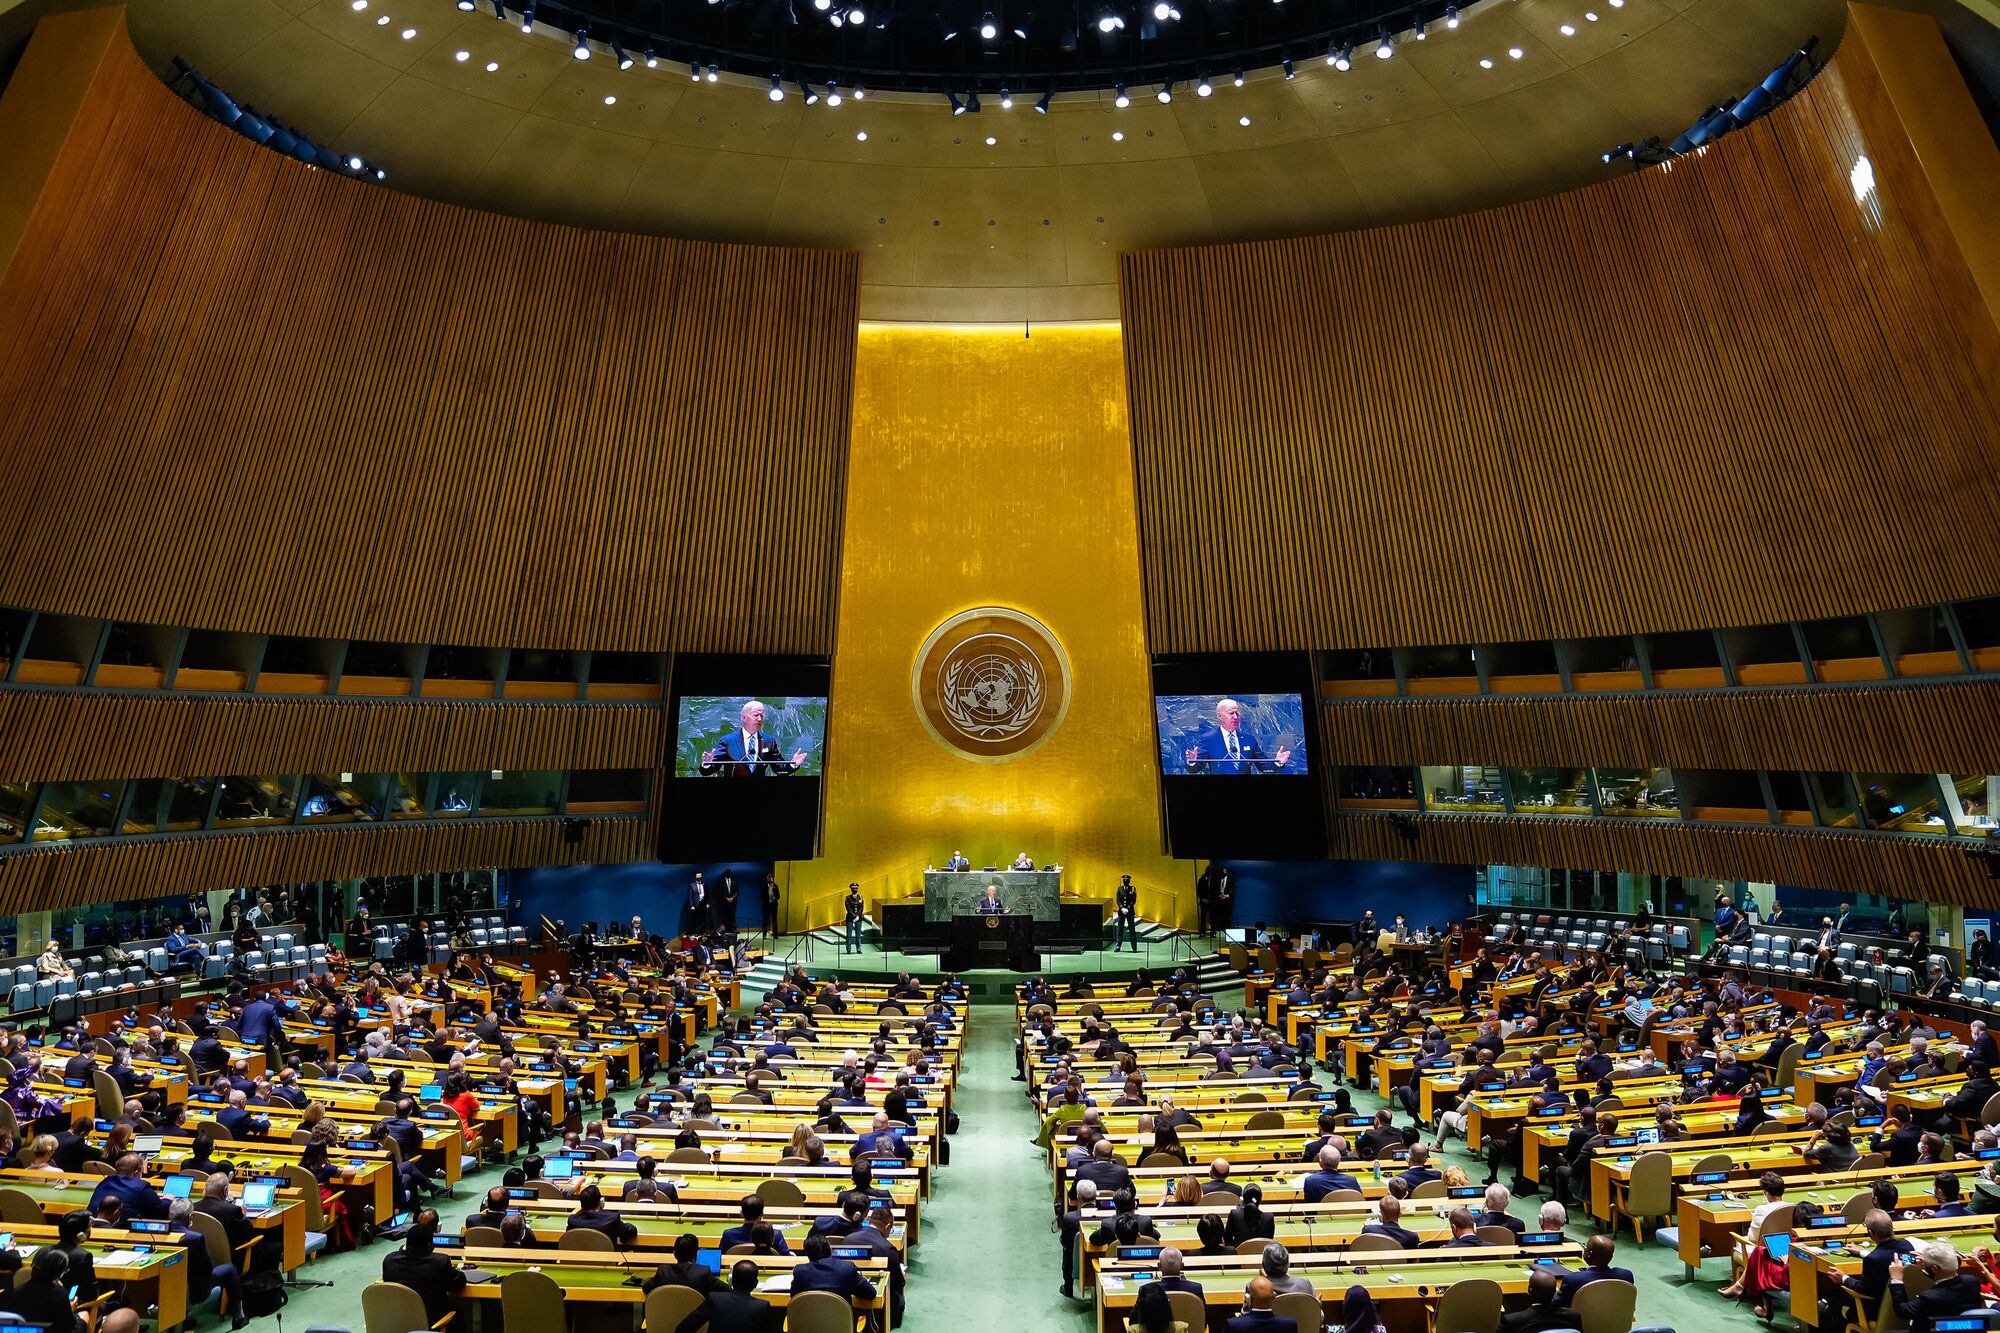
point(990, 141)
point(1020, 31)
point(1042, 105)
point(838, 18)
point(1161, 9)
point(652, 59)
point(1613, 154)
point(972, 101)
point(859, 92)
point(1422, 33)
point(1244, 121)
point(358, 5)
point(856, 15)
point(1119, 99)
point(382, 22)
point(610, 99)
point(1118, 136)
point(694, 71)
point(1006, 100)
point(957, 107)
point(1618, 4)
point(1515, 52)
point(988, 29)
point(408, 33)
point(1341, 57)
point(806, 91)
point(1166, 93)
point(1485, 62)
point(861, 136)
point(713, 74)
point(582, 48)
point(1204, 88)
point(528, 19)
point(1385, 45)
point(832, 93)
point(822, 5)
point(467, 6)
point(1290, 73)
point(1451, 17)
point(619, 54)
point(777, 93)
point(355, 163)
point(1238, 80)
point(1109, 21)
point(492, 67)
point(461, 56)
point(380, 174)
point(1567, 30)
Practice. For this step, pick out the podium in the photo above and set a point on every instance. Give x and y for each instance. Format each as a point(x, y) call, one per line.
point(993, 941)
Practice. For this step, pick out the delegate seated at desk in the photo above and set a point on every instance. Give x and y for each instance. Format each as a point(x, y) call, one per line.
point(990, 904)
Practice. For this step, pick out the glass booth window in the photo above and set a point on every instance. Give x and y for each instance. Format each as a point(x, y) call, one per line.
point(1378, 787)
point(607, 791)
point(520, 792)
point(457, 793)
point(79, 809)
point(403, 795)
point(1902, 803)
point(1641, 792)
point(1454, 790)
point(256, 800)
point(1830, 792)
point(1551, 791)
point(1973, 801)
point(342, 798)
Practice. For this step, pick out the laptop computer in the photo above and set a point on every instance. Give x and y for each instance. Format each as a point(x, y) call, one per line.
point(178, 1187)
point(148, 1144)
point(1779, 1247)
point(259, 1196)
point(710, 1257)
point(559, 1168)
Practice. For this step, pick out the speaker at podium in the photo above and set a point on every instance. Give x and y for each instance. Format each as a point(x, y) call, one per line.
point(1005, 940)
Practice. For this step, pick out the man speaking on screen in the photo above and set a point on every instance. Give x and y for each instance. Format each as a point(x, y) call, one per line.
point(1225, 748)
point(748, 752)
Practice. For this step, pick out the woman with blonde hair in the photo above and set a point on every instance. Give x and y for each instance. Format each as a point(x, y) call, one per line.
point(40, 1151)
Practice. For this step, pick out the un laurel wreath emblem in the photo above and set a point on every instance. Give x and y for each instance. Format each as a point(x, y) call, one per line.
point(991, 684)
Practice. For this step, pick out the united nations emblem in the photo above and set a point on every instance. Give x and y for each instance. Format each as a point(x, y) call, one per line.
point(991, 684)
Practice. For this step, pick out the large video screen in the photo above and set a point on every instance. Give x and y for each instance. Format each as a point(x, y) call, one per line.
point(749, 753)
point(1231, 735)
point(749, 736)
point(1232, 728)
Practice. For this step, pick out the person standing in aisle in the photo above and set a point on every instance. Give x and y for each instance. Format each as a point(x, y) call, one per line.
point(1126, 927)
point(770, 904)
point(852, 944)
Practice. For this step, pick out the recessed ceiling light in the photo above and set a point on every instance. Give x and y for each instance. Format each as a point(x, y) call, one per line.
point(1590, 16)
point(1118, 136)
point(861, 136)
point(1515, 52)
point(461, 55)
point(610, 100)
point(1568, 30)
point(492, 66)
point(1243, 121)
point(382, 22)
point(359, 5)
point(1484, 63)
point(409, 33)
point(990, 141)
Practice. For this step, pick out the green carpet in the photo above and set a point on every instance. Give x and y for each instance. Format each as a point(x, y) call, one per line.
point(989, 1259)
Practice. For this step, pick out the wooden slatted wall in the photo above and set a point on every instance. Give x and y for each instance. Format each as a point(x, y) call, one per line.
point(61, 735)
point(239, 393)
point(1726, 393)
point(114, 871)
point(1946, 727)
point(1848, 862)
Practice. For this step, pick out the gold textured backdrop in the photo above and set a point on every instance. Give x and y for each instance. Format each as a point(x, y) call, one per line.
point(988, 468)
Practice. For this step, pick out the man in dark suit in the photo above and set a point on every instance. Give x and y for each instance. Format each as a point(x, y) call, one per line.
point(1170, 1278)
point(1226, 748)
point(423, 1270)
point(1104, 1170)
point(873, 1235)
point(42, 1298)
point(204, 1274)
point(731, 1309)
point(1597, 1255)
point(1542, 1314)
point(748, 753)
point(241, 1121)
point(684, 1271)
point(753, 1213)
point(591, 1214)
point(989, 903)
point(1391, 1224)
point(1464, 1231)
point(1419, 1171)
point(1888, 1248)
point(128, 1185)
point(1259, 1312)
point(1125, 926)
point(495, 1210)
point(215, 1201)
point(958, 862)
point(1329, 1177)
point(822, 1272)
point(1496, 1214)
point(1951, 1291)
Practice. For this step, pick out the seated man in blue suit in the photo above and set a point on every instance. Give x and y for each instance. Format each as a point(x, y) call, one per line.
point(1259, 1311)
point(882, 1141)
point(748, 752)
point(753, 1213)
point(1597, 1253)
point(821, 1272)
point(1226, 748)
point(958, 862)
point(1329, 1177)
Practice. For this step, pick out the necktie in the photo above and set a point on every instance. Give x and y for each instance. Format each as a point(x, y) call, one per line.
point(1234, 753)
point(750, 750)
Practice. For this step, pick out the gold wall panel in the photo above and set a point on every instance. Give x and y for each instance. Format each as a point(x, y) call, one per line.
point(989, 469)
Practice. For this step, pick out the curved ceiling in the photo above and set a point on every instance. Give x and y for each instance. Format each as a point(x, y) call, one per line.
point(1002, 215)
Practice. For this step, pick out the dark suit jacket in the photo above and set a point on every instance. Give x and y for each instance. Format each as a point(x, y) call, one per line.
point(838, 1276)
point(1322, 1183)
point(728, 1311)
point(1262, 1321)
point(1508, 1220)
point(1403, 1236)
point(1107, 1176)
point(692, 1276)
point(44, 1303)
point(740, 1235)
point(1873, 1279)
point(1955, 1295)
point(431, 1276)
point(1539, 1319)
point(1577, 1280)
point(236, 1226)
point(1174, 1283)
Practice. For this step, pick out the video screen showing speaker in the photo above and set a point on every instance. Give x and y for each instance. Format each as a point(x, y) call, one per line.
point(1232, 735)
point(1239, 756)
point(749, 753)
